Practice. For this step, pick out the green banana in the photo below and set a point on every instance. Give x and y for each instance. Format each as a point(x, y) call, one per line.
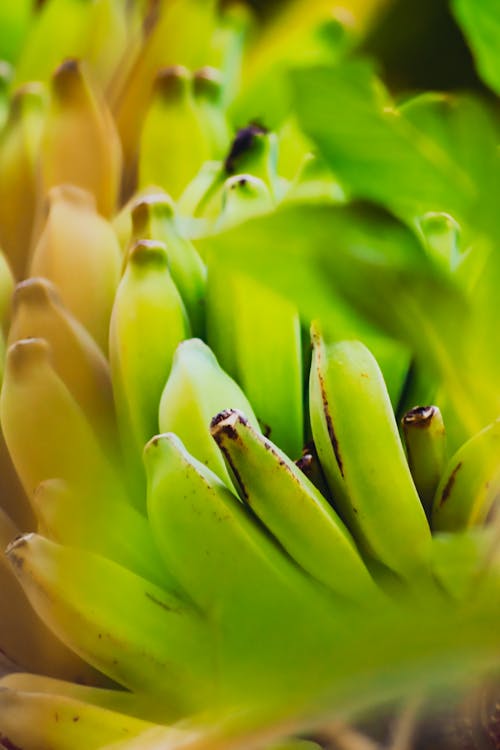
point(153, 218)
point(6, 290)
point(208, 91)
point(5, 83)
point(173, 143)
point(80, 144)
point(425, 440)
point(256, 335)
point(133, 631)
point(470, 483)
point(147, 323)
point(255, 151)
point(104, 524)
point(19, 153)
point(291, 508)
point(78, 251)
point(35, 721)
point(243, 196)
point(196, 389)
point(357, 440)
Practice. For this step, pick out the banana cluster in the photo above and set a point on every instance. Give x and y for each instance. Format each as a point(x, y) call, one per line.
point(198, 498)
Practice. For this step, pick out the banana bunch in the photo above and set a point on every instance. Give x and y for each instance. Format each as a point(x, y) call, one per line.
point(206, 504)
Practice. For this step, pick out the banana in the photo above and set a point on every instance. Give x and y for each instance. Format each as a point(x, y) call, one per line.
point(291, 508)
point(254, 150)
point(19, 153)
point(103, 524)
point(133, 631)
point(79, 252)
point(196, 389)
point(248, 588)
point(80, 144)
point(148, 322)
point(208, 90)
point(6, 290)
point(45, 430)
point(39, 313)
point(243, 196)
point(202, 196)
point(132, 704)
point(153, 218)
point(357, 440)
point(173, 144)
point(5, 84)
point(108, 40)
point(180, 37)
point(470, 484)
point(24, 638)
point(255, 333)
point(57, 31)
point(35, 721)
point(425, 440)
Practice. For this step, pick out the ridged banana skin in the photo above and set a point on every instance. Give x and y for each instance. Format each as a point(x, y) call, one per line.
point(147, 323)
point(153, 218)
point(358, 444)
point(80, 144)
point(78, 251)
point(470, 484)
point(198, 388)
point(131, 630)
point(291, 508)
point(36, 721)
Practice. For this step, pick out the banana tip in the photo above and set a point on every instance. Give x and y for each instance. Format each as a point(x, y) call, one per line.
point(224, 423)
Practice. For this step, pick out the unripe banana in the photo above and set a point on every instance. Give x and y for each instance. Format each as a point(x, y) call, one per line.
point(133, 631)
point(57, 31)
point(132, 704)
point(153, 218)
point(45, 430)
point(35, 721)
point(79, 252)
point(255, 151)
point(148, 322)
point(291, 508)
point(202, 196)
point(39, 313)
point(196, 390)
point(80, 144)
point(24, 638)
point(357, 440)
point(470, 483)
point(208, 89)
point(19, 153)
point(6, 290)
point(173, 143)
point(199, 525)
point(243, 196)
point(425, 440)
point(108, 39)
point(104, 524)
point(255, 333)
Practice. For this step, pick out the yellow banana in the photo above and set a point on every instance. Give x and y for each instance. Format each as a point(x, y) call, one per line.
point(19, 153)
point(39, 313)
point(80, 144)
point(208, 90)
point(79, 252)
point(135, 632)
point(357, 440)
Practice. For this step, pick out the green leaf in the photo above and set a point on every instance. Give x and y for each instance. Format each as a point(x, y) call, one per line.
point(480, 22)
point(433, 155)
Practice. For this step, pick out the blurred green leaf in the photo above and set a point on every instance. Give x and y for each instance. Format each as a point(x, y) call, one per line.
point(480, 22)
point(14, 19)
point(435, 154)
